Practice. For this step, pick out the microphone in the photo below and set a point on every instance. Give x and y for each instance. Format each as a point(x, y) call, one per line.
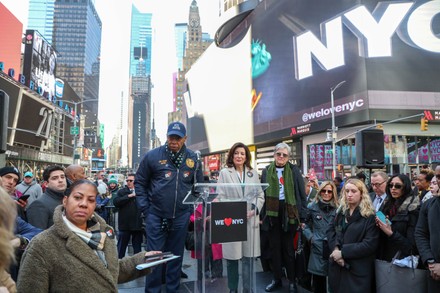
point(193, 189)
point(198, 154)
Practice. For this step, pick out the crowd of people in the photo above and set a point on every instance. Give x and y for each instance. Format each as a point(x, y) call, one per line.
point(340, 228)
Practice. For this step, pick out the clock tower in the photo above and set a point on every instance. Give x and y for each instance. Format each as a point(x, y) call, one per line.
point(195, 45)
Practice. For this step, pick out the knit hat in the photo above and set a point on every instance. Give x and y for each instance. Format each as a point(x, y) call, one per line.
point(113, 181)
point(9, 170)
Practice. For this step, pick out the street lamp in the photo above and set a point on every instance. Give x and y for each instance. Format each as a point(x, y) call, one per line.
point(75, 104)
point(334, 128)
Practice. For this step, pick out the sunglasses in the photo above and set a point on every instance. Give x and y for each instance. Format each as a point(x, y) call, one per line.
point(326, 191)
point(396, 186)
point(129, 180)
point(282, 155)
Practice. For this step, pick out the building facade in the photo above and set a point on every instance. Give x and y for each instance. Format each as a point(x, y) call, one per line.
point(76, 36)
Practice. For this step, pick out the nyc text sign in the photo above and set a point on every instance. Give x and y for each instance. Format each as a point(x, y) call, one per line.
point(374, 32)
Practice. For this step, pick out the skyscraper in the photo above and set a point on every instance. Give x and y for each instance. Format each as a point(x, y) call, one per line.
point(40, 17)
point(196, 44)
point(180, 39)
point(139, 108)
point(77, 38)
point(140, 41)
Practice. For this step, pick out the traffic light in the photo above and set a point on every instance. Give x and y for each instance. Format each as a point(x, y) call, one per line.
point(424, 124)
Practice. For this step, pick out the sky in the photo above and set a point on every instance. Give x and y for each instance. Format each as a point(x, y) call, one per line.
point(115, 52)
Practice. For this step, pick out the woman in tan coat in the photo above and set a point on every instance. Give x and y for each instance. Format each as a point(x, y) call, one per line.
point(8, 210)
point(239, 171)
point(78, 253)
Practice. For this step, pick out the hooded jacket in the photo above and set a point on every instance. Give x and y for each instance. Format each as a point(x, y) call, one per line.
point(57, 260)
point(33, 189)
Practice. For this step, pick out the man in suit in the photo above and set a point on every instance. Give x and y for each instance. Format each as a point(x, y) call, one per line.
point(379, 183)
point(129, 220)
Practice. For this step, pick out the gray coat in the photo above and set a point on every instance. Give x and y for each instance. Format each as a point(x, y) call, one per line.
point(57, 260)
point(317, 223)
point(237, 250)
point(40, 212)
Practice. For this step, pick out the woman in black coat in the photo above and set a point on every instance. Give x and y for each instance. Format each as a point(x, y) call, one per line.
point(353, 239)
point(401, 207)
point(321, 212)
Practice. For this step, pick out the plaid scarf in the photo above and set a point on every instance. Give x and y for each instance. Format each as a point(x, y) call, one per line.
point(176, 158)
point(273, 193)
point(93, 237)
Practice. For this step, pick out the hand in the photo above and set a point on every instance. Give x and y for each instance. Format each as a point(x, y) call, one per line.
point(336, 255)
point(153, 252)
point(132, 195)
point(435, 271)
point(15, 242)
point(385, 227)
point(341, 262)
point(21, 203)
point(250, 214)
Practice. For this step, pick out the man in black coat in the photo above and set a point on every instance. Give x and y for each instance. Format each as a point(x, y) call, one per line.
point(130, 220)
point(427, 237)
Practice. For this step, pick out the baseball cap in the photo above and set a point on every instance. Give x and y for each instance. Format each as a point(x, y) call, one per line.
point(176, 128)
point(9, 170)
point(28, 174)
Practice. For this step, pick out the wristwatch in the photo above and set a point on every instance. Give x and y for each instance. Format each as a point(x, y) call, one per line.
point(23, 242)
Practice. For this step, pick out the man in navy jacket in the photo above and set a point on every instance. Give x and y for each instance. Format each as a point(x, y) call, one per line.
point(165, 176)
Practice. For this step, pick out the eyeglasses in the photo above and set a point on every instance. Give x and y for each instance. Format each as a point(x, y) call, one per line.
point(326, 191)
point(396, 186)
point(282, 155)
point(129, 180)
point(378, 184)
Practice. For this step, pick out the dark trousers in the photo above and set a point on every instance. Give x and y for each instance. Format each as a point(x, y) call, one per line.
point(166, 237)
point(319, 284)
point(281, 246)
point(124, 239)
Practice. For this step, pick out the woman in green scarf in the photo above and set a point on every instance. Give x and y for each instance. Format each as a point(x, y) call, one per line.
point(286, 207)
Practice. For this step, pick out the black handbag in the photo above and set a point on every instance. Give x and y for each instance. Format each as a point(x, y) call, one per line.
point(300, 256)
point(190, 240)
point(392, 278)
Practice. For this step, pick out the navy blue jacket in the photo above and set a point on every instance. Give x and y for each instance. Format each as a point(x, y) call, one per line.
point(25, 229)
point(161, 186)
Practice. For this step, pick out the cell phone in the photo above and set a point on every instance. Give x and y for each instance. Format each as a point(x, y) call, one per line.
point(24, 197)
point(158, 256)
point(381, 217)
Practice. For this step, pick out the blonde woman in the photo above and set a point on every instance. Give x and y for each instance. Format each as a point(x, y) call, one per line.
point(8, 209)
point(321, 212)
point(353, 239)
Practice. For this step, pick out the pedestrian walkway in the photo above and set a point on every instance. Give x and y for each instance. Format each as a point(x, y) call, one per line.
point(212, 286)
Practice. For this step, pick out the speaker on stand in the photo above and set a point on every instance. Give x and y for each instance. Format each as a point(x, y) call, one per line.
point(370, 149)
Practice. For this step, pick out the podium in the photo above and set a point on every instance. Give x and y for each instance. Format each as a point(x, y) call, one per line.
point(220, 216)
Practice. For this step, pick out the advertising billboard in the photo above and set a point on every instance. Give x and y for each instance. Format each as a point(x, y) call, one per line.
point(376, 59)
point(300, 53)
point(39, 67)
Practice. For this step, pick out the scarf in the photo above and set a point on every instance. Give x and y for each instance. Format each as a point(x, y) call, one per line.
point(93, 237)
point(176, 158)
point(273, 193)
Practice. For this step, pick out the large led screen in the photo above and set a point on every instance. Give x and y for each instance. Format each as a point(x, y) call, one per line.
point(40, 60)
